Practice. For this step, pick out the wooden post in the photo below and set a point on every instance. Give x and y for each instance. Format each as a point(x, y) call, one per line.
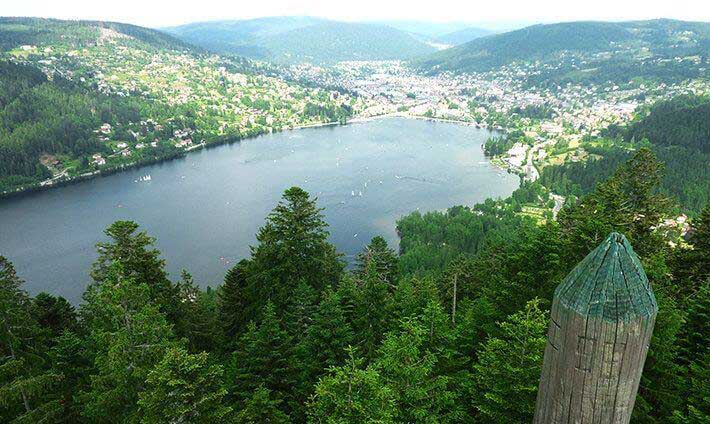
point(601, 323)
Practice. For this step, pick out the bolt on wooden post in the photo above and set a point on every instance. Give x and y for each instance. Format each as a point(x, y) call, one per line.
point(601, 324)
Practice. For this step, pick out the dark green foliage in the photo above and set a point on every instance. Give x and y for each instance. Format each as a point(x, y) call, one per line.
point(351, 394)
point(263, 358)
point(452, 330)
point(627, 203)
point(198, 312)
point(373, 304)
point(661, 381)
point(139, 262)
point(25, 384)
point(39, 116)
point(691, 264)
point(682, 121)
point(232, 303)
point(675, 130)
point(184, 388)
point(261, 408)
point(380, 258)
point(130, 336)
point(495, 146)
point(408, 369)
point(54, 314)
point(293, 248)
point(508, 370)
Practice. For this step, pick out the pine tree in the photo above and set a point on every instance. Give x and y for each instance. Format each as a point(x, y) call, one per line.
point(130, 336)
point(407, 368)
point(327, 338)
point(264, 357)
point(661, 380)
point(381, 258)
point(458, 283)
point(25, 395)
point(198, 314)
point(232, 304)
point(691, 265)
point(139, 262)
point(184, 388)
point(54, 314)
point(298, 311)
point(351, 394)
point(293, 247)
point(261, 408)
point(372, 311)
point(627, 203)
point(507, 373)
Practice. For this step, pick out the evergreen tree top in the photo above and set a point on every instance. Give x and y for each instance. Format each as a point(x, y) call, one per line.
point(609, 283)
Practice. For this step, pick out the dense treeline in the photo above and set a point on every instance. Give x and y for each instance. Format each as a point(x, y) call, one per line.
point(682, 121)
point(678, 132)
point(39, 116)
point(495, 146)
point(291, 336)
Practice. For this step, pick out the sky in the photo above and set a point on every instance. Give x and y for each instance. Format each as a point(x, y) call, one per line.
point(490, 13)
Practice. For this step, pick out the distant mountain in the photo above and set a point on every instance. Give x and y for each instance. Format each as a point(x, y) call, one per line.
point(16, 32)
point(303, 39)
point(544, 42)
point(462, 36)
point(430, 30)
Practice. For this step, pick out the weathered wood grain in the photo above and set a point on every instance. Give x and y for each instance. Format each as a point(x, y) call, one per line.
point(601, 323)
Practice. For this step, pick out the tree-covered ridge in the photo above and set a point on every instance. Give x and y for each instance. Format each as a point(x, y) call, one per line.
point(303, 39)
point(291, 336)
point(586, 51)
point(106, 99)
point(677, 130)
point(16, 32)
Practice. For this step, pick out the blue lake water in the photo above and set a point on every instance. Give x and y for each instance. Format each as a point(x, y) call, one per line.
point(205, 209)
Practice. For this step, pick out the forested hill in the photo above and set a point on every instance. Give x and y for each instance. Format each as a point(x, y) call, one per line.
point(15, 32)
point(79, 98)
point(677, 130)
point(548, 42)
point(303, 39)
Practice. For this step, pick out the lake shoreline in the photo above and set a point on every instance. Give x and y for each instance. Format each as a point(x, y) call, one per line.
point(205, 209)
point(51, 183)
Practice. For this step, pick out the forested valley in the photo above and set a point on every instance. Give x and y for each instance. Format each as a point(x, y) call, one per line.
point(449, 329)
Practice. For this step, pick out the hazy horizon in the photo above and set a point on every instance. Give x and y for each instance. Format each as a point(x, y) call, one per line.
point(501, 15)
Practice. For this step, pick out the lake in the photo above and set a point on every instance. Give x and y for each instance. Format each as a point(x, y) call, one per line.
point(205, 209)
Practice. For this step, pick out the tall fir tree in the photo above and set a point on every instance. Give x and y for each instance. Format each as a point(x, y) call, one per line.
point(628, 203)
point(265, 357)
point(372, 312)
point(261, 408)
point(232, 304)
point(381, 257)
point(140, 262)
point(130, 336)
point(293, 247)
